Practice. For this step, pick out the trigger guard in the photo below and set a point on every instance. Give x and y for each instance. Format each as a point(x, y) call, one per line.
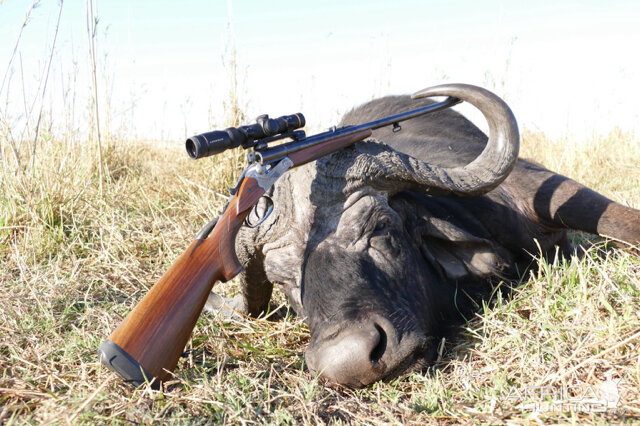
point(254, 211)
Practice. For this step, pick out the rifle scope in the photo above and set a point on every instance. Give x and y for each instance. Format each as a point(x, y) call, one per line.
point(211, 143)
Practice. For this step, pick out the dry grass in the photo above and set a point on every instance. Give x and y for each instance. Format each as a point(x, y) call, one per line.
point(74, 262)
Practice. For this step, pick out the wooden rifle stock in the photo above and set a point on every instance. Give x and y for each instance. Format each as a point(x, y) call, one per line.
point(151, 339)
point(148, 343)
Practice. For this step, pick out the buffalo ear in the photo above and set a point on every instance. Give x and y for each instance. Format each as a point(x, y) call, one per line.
point(454, 243)
point(459, 260)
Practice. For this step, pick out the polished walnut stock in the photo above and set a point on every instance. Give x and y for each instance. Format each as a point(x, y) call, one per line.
point(147, 345)
point(151, 339)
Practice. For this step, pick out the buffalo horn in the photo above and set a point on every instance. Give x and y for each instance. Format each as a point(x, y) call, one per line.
point(395, 171)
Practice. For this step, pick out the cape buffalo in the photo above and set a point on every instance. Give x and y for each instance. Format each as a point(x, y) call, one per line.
point(382, 245)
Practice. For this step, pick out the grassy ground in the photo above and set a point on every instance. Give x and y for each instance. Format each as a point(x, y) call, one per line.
point(75, 260)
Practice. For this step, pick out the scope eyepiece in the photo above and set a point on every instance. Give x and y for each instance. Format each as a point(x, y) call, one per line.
point(211, 143)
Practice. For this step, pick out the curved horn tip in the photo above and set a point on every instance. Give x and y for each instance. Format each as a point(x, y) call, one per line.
point(452, 89)
point(498, 158)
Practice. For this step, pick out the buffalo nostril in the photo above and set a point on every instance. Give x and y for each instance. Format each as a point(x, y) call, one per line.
point(379, 349)
point(354, 357)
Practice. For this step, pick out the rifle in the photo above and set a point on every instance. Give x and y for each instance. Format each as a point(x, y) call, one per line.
point(148, 343)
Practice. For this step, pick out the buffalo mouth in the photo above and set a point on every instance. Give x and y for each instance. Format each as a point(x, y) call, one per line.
point(359, 353)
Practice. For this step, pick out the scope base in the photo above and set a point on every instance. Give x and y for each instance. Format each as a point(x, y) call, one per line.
point(262, 143)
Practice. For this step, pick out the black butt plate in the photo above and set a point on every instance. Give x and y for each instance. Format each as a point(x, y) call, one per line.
point(120, 362)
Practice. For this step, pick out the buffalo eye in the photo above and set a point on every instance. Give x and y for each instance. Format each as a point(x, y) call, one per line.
point(382, 225)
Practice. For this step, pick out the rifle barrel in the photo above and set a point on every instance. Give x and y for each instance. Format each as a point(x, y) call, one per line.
point(269, 155)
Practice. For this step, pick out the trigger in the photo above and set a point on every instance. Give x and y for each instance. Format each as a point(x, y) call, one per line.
point(260, 212)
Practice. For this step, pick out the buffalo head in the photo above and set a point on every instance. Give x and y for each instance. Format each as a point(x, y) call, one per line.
point(361, 251)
